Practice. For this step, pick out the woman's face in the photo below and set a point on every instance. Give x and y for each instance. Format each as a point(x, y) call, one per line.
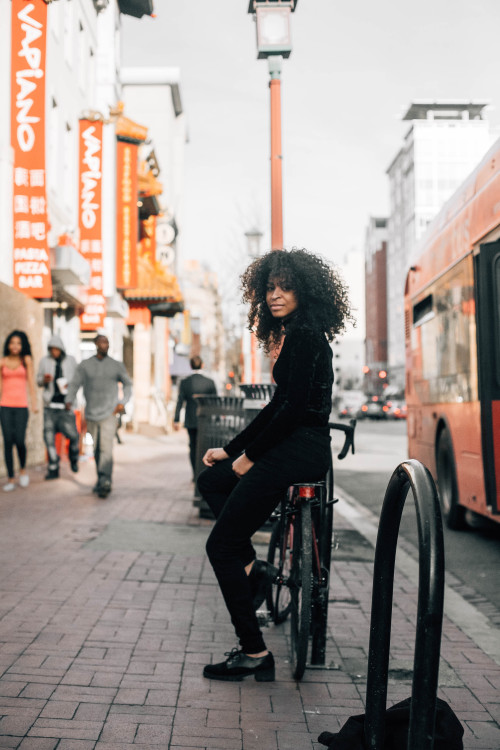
point(15, 346)
point(280, 298)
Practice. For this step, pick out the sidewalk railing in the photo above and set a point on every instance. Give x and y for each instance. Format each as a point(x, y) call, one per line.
point(409, 474)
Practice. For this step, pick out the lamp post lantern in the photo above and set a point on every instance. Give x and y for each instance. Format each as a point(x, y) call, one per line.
point(274, 42)
point(254, 237)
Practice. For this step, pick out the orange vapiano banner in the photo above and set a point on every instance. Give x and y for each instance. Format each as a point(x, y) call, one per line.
point(90, 220)
point(127, 215)
point(31, 255)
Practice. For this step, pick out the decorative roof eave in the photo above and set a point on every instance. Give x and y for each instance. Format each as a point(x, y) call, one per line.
point(155, 284)
point(129, 130)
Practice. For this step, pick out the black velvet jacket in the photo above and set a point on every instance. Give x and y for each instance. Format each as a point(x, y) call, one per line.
point(303, 397)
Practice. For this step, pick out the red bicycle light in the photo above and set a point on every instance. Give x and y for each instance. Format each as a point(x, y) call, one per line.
point(307, 491)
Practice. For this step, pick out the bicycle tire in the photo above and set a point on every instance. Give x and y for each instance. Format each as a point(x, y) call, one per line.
point(301, 591)
point(278, 598)
point(321, 586)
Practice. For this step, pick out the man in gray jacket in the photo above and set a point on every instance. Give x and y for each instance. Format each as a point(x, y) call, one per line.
point(99, 376)
point(55, 372)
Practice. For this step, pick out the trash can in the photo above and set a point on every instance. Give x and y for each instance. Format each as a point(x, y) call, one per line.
point(256, 396)
point(220, 418)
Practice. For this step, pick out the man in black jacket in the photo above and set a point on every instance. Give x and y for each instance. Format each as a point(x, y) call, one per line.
point(194, 385)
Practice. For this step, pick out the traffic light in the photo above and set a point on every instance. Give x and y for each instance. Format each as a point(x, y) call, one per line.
point(230, 380)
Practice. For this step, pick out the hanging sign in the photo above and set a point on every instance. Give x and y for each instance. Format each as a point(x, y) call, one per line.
point(31, 255)
point(90, 221)
point(127, 215)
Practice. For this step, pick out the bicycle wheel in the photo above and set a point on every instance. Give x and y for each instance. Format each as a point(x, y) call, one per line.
point(301, 590)
point(323, 524)
point(279, 554)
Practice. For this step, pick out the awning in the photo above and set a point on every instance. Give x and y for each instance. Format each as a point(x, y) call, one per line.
point(156, 287)
point(136, 8)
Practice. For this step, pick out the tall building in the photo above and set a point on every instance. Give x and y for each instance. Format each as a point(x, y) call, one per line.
point(77, 188)
point(375, 301)
point(443, 144)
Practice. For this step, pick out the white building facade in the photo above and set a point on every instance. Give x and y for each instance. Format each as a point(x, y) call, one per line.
point(444, 143)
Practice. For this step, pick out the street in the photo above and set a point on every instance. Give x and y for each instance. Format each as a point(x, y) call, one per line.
point(472, 556)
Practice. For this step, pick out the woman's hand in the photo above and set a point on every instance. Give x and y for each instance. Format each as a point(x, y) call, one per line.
point(213, 455)
point(242, 465)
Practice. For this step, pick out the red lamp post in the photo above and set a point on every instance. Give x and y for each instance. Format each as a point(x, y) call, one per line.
point(274, 43)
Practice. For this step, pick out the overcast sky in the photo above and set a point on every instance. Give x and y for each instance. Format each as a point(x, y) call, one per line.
point(354, 68)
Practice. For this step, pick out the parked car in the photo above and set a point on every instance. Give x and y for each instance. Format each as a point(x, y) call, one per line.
point(396, 409)
point(349, 403)
point(373, 408)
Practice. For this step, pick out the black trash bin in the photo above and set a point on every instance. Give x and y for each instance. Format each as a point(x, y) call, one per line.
point(256, 396)
point(220, 418)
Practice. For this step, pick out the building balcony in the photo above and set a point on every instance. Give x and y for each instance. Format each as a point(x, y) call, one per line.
point(69, 268)
point(116, 307)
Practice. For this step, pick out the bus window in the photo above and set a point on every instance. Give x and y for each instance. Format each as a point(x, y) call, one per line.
point(445, 317)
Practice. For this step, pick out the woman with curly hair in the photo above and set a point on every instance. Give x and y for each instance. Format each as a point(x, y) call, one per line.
point(298, 299)
point(16, 378)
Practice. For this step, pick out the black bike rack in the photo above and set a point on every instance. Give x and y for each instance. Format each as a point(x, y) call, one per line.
point(409, 474)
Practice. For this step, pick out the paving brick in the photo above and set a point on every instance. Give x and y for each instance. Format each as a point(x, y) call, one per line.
point(38, 743)
point(70, 729)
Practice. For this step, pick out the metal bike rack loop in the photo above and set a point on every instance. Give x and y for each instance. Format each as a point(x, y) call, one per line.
point(409, 474)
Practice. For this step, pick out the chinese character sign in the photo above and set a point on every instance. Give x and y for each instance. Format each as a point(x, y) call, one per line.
point(90, 221)
point(31, 258)
point(126, 213)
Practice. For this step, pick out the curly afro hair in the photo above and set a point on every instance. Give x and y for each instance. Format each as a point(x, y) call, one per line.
point(321, 293)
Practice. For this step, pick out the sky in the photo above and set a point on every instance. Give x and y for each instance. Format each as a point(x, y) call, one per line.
point(354, 69)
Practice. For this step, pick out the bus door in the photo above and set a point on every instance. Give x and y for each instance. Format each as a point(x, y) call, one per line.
point(487, 285)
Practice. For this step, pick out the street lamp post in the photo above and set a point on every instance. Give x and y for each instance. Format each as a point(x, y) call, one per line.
point(251, 358)
point(274, 43)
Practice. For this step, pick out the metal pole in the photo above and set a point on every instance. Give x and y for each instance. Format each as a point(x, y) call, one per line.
point(274, 62)
point(410, 474)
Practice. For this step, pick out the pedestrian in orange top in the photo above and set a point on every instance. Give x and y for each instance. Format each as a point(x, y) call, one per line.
point(16, 379)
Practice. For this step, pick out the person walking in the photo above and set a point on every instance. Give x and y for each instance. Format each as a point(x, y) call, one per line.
point(299, 303)
point(99, 377)
point(194, 385)
point(55, 371)
point(16, 379)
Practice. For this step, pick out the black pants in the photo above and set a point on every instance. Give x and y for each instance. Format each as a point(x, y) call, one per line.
point(193, 433)
point(241, 506)
point(14, 421)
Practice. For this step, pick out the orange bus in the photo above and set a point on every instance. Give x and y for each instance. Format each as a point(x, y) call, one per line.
point(452, 335)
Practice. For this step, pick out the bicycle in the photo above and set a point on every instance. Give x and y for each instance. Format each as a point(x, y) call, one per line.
point(300, 548)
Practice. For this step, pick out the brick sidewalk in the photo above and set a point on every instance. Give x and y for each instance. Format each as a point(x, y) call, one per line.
point(109, 610)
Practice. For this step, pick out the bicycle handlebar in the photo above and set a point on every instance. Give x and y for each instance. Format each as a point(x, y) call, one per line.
point(348, 431)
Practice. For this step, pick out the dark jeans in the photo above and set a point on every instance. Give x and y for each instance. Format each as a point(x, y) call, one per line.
point(193, 433)
point(63, 421)
point(14, 421)
point(241, 506)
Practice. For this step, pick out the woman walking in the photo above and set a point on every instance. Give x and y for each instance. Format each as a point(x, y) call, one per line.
point(297, 301)
point(16, 378)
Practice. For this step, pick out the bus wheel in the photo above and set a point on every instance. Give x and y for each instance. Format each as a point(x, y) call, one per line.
point(447, 483)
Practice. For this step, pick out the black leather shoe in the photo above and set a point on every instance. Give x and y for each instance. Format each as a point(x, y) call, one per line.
point(238, 666)
point(260, 578)
point(74, 465)
point(104, 489)
point(52, 474)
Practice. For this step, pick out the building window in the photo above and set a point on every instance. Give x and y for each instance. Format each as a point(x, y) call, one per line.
point(68, 33)
point(68, 170)
point(53, 150)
